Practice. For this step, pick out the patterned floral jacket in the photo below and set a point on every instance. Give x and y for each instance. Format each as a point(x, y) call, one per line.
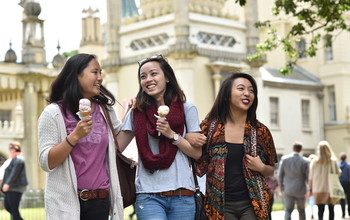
point(257, 141)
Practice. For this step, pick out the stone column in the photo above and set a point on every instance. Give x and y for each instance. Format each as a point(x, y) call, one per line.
point(113, 24)
point(30, 141)
point(251, 17)
point(182, 28)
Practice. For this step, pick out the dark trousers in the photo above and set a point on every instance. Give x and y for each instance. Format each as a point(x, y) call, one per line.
point(94, 209)
point(321, 211)
point(12, 200)
point(239, 210)
point(346, 187)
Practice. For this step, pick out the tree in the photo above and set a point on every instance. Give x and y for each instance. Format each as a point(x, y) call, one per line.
point(313, 16)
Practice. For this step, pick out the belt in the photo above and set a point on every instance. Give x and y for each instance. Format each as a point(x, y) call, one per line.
point(93, 194)
point(178, 192)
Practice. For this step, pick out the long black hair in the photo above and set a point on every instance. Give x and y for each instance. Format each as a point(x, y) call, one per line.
point(66, 89)
point(172, 89)
point(221, 108)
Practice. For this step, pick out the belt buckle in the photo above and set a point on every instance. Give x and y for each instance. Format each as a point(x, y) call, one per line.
point(81, 194)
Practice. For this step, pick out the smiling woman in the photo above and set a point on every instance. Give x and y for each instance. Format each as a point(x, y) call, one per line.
point(164, 183)
point(79, 154)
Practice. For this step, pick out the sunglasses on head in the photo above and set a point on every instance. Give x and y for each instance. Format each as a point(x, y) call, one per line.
point(156, 56)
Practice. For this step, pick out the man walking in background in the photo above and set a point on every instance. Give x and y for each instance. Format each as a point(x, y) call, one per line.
point(345, 182)
point(293, 176)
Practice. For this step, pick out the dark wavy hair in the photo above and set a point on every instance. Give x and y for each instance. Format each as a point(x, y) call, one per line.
point(172, 90)
point(221, 108)
point(66, 89)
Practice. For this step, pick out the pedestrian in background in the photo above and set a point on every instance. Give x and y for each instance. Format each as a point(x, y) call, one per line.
point(318, 178)
point(345, 182)
point(14, 181)
point(311, 157)
point(293, 176)
point(239, 154)
point(274, 185)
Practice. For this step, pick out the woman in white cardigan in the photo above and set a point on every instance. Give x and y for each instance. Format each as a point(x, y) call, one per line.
point(78, 153)
point(318, 178)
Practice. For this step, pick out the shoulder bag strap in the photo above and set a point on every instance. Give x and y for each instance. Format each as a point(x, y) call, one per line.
point(120, 156)
point(110, 125)
point(194, 176)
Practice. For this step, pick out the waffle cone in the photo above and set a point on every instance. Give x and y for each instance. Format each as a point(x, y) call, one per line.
point(162, 116)
point(84, 114)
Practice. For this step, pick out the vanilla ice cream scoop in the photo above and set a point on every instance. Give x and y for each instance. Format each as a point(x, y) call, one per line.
point(84, 107)
point(163, 111)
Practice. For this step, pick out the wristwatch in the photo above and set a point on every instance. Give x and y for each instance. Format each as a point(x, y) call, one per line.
point(176, 137)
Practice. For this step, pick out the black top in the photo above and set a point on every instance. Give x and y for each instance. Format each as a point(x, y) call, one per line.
point(235, 185)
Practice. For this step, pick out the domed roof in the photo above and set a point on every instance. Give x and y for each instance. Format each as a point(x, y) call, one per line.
point(58, 61)
point(32, 9)
point(10, 56)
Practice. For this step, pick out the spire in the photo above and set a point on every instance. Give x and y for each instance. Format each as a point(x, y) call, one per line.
point(58, 60)
point(129, 8)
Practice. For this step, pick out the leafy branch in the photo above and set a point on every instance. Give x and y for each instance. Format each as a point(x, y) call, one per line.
point(313, 18)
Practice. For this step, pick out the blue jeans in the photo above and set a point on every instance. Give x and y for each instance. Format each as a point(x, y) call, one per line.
point(156, 207)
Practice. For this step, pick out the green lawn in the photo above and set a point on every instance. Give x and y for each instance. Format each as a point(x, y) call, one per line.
point(39, 213)
point(27, 214)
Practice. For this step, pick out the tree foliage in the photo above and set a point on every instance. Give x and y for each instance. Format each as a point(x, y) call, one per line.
point(329, 17)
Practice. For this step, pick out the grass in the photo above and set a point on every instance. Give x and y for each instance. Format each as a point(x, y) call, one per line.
point(277, 206)
point(39, 213)
point(26, 213)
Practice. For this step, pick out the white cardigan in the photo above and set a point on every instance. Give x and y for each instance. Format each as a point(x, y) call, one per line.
point(61, 200)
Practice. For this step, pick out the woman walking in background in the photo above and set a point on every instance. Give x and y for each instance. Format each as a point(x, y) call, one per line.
point(239, 154)
point(311, 157)
point(318, 178)
point(14, 181)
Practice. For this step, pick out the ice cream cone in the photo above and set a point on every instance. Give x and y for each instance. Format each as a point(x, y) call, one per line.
point(84, 107)
point(162, 116)
point(84, 114)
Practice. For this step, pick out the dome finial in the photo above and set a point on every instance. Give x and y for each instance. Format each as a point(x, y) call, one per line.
point(10, 56)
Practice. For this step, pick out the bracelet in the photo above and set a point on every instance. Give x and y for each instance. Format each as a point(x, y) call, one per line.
point(178, 141)
point(70, 144)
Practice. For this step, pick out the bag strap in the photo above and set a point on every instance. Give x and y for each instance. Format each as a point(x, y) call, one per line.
point(110, 125)
point(333, 167)
point(195, 176)
point(120, 156)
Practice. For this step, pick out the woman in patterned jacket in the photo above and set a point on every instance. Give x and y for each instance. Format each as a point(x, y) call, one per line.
point(238, 155)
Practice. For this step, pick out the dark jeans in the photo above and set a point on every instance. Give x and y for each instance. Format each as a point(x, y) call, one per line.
point(12, 200)
point(243, 210)
point(94, 209)
point(346, 187)
point(321, 211)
